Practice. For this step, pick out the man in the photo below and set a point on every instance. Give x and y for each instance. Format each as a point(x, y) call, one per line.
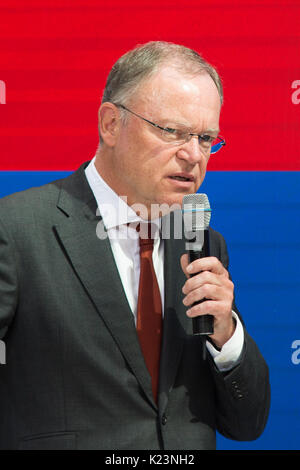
point(79, 372)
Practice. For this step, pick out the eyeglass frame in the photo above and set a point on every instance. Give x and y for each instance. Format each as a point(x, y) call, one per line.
point(213, 149)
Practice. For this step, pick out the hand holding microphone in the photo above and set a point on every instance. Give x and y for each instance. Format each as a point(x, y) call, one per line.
point(208, 289)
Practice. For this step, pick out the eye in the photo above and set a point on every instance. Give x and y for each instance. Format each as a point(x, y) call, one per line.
point(207, 138)
point(170, 130)
point(172, 134)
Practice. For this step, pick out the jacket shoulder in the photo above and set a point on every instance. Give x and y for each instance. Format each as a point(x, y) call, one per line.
point(26, 198)
point(31, 206)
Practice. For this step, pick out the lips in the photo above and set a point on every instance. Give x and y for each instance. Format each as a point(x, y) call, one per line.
point(184, 177)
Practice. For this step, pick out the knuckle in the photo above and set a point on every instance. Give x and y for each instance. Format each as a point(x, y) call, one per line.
point(215, 260)
point(206, 276)
point(208, 306)
point(191, 298)
point(193, 282)
point(206, 289)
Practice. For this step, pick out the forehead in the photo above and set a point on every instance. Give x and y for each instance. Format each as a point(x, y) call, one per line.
point(173, 94)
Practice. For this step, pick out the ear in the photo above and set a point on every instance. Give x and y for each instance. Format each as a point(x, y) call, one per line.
point(109, 123)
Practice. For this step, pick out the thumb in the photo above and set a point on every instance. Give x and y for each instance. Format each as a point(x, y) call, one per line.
point(184, 261)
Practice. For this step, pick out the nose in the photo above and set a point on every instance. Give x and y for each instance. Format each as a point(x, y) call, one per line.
point(191, 151)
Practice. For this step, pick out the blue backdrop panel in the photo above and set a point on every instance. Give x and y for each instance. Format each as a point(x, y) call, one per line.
point(258, 214)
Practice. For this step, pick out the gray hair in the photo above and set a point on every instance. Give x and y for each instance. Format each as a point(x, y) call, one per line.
point(143, 61)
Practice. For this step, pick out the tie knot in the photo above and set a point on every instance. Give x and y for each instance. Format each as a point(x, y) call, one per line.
point(146, 232)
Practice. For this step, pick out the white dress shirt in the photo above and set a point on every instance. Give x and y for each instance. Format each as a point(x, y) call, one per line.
point(116, 216)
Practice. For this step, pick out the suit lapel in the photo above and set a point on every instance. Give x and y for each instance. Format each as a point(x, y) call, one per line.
point(93, 262)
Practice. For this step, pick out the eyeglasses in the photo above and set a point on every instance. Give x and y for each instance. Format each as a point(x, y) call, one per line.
point(208, 143)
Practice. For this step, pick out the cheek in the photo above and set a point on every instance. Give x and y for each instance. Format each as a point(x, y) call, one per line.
point(155, 162)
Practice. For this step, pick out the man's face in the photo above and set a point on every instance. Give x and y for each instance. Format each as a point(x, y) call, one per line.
point(149, 169)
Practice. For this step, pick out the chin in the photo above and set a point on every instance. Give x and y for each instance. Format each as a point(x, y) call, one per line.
point(167, 202)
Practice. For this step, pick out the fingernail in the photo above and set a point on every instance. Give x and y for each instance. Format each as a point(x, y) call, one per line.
point(189, 268)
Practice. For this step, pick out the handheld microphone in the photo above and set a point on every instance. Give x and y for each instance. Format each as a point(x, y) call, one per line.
point(196, 217)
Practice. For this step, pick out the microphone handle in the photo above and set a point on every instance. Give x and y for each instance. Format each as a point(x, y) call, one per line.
point(204, 324)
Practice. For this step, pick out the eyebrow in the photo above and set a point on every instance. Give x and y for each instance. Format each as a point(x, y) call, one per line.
point(212, 130)
point(188, 129)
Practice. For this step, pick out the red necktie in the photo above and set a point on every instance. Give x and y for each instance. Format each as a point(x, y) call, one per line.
point(149, 309)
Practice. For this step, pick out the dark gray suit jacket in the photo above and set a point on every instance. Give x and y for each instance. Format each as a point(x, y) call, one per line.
point(74, 376)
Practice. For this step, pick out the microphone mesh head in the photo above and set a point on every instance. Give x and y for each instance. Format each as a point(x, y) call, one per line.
point(196, 212)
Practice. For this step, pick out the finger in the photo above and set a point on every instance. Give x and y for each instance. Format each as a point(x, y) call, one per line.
point(210, 263)
point(208, 291)
point(184, 261)
point(205, 277)
point(219, 309)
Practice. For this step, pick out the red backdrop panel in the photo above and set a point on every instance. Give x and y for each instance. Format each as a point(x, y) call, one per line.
point(55, 56)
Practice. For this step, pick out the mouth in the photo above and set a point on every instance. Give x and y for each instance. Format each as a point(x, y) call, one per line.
point(185, 178)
